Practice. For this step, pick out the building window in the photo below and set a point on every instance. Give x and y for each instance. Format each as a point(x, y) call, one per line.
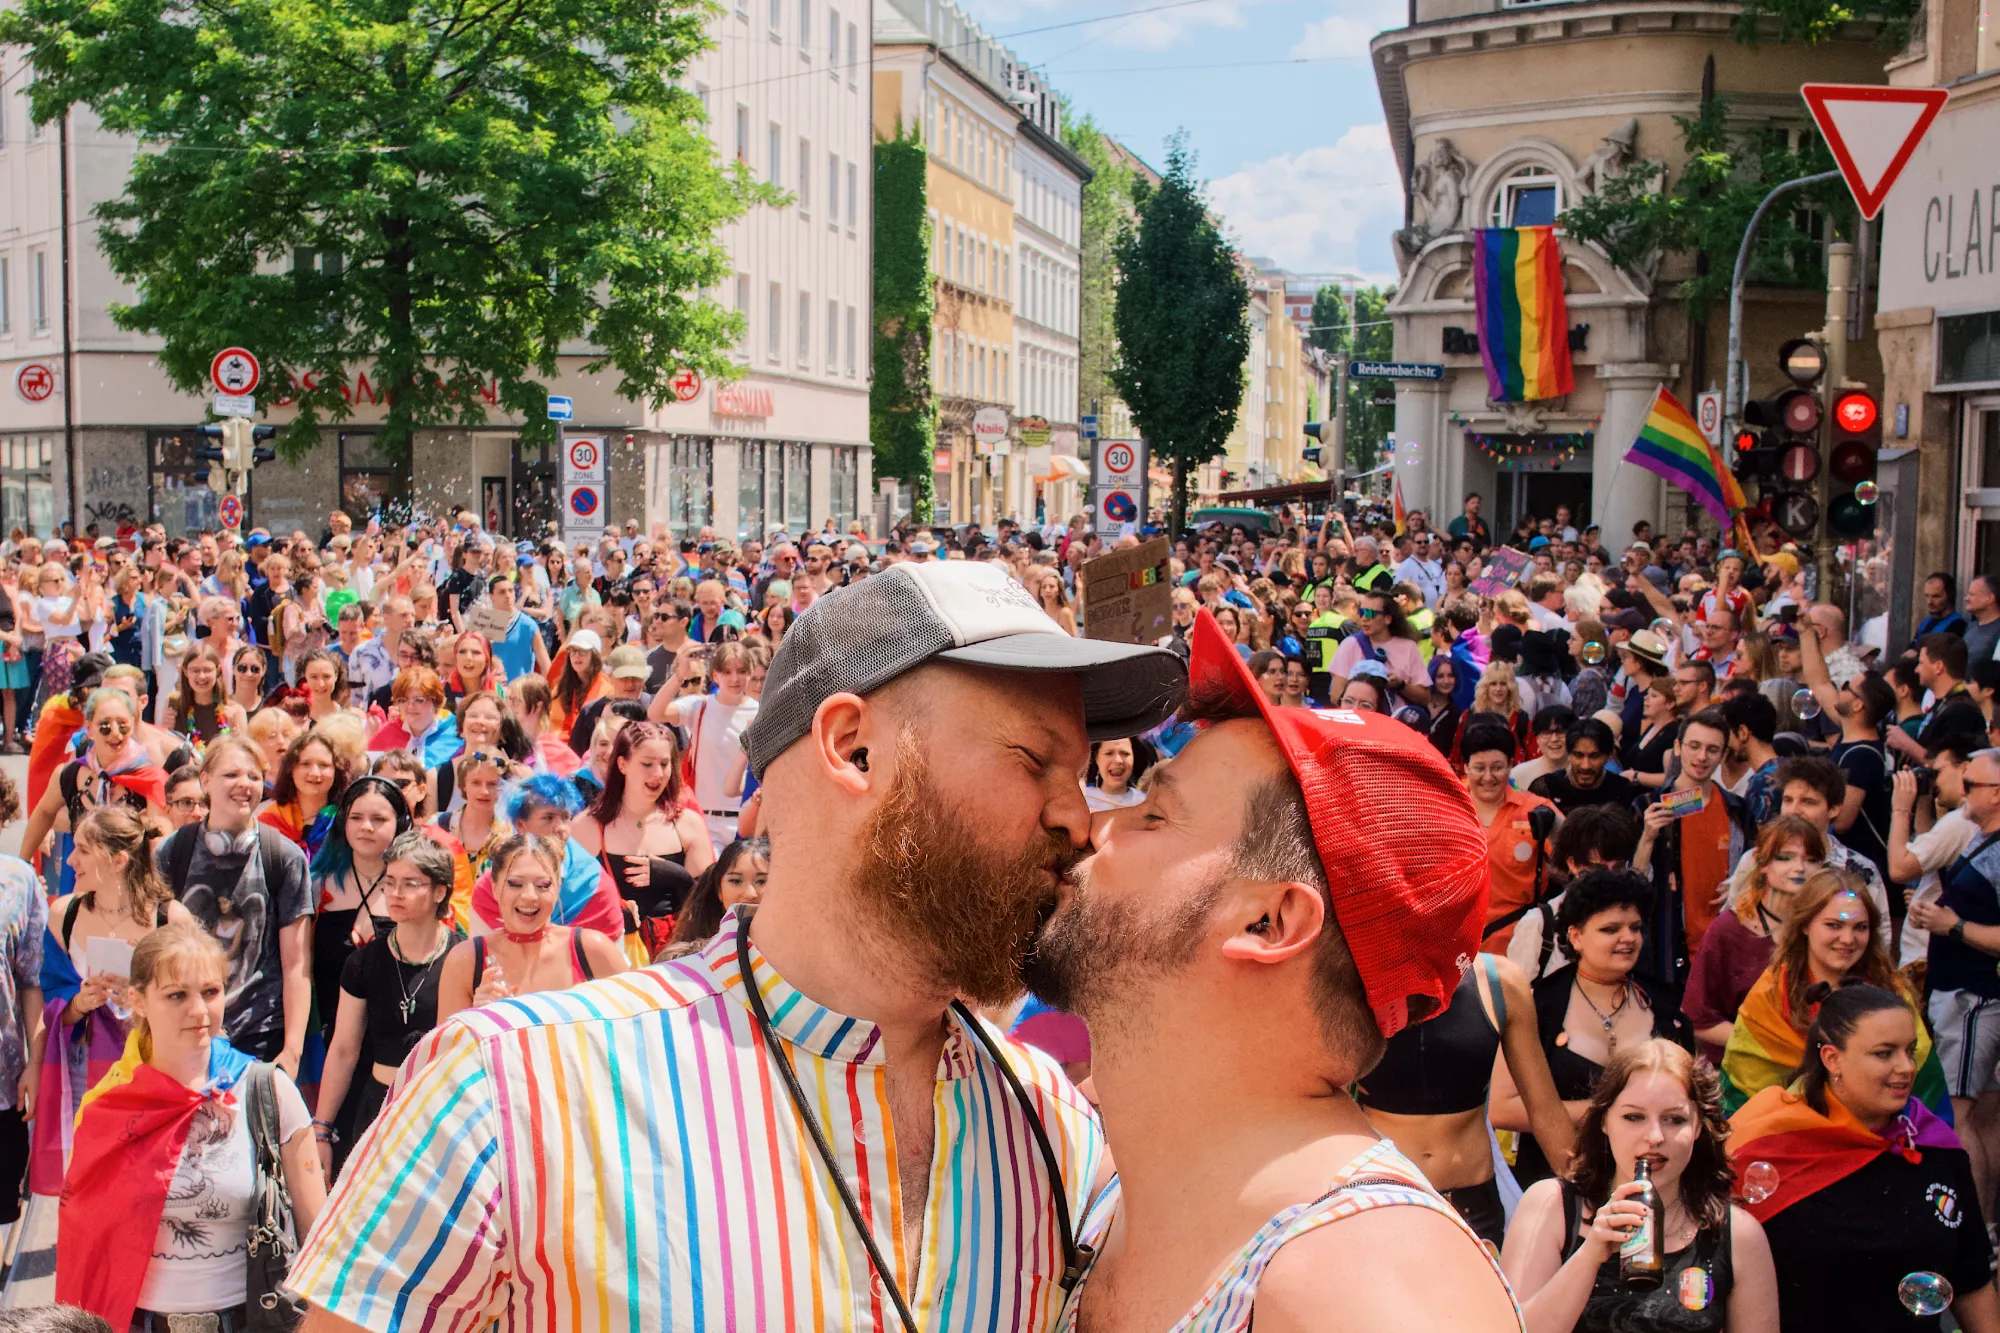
point(701, 95)
point(832, 335)
point(833, 42)
point(930, 120)
point(1531, 197)
point(853, 52)
point(38, 289)
point(833, 191)
point(743, 308)
point(743, 134)
point(774, 318)
point(851, 321)
point(805, 29)
point(777, 18)
point(853, 179)
point(805, 330)
point(1969, 353)
point(775, 148)
point(805, 176)
point(6, 296)
point(844, 489)
point(797, 486)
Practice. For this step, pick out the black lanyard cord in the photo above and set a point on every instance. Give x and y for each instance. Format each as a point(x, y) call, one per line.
point(1074, 1255)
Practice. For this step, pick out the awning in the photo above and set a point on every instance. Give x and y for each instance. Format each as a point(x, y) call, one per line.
point(1063, 468)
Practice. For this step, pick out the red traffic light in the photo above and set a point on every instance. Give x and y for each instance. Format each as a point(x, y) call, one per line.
point(1746, 440)
point(1856, 412)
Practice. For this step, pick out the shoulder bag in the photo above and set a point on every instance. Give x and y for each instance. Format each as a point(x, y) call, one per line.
point(273, 1240)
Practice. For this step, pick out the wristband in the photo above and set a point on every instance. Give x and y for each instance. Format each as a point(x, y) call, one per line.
point(1957, 931)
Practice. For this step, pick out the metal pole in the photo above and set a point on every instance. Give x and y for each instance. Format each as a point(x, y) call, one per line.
point(1339, 424)
point(1732, 393)
point(71, 460)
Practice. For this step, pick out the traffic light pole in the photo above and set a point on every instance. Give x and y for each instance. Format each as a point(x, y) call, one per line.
point(1339, 468)
point(1734, 389)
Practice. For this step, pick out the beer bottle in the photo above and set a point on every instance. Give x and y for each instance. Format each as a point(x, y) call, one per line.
point(1642, 1257)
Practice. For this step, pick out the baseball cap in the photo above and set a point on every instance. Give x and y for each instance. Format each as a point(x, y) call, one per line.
point(587, 640)
point(1625, 618)
point(858, 638)
point(258, 539)
point(628, 661)
point(1408, 877)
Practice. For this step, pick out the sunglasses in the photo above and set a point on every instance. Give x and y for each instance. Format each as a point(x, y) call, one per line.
point(1366, 612)
point(249, 669)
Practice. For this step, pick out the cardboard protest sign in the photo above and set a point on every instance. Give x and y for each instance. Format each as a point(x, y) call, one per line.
point(1128, 595)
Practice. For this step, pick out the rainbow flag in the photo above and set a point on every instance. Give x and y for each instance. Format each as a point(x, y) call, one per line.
point(1523, 321)
point(1672, 445)
point(1766, 1046)
point(1402, 510)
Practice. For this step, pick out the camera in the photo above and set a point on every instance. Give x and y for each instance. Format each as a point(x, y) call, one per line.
point(1926, 780)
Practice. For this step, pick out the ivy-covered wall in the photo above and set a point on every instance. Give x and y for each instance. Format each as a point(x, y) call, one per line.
point(902, 410)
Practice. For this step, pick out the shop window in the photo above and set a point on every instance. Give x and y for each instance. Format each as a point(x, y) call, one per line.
point(1969, 349)
point(182, 502)
point(688, 480)
point(844, 489)
point(798, 486)
point(372, 482)
point(27, 493)
point(749, 489)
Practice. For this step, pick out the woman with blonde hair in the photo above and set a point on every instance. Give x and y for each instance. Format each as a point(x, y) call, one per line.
point(172, 1152)
point(1052, 597)
point(1833, 936)
point(1497, 696)
point(527, 953)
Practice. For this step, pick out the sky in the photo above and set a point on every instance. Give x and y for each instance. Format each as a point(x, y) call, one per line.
point(1277, 97)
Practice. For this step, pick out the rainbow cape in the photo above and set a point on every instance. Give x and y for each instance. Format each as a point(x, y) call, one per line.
point(1523, 320)
point(1671, 445)
point(1812, 1151)
point(129, 1137)
point(1764, 1049)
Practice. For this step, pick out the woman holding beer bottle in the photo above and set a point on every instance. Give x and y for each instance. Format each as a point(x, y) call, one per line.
point(1640, 1236)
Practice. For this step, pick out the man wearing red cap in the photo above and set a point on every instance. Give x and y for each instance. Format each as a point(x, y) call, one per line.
point(1298, 886)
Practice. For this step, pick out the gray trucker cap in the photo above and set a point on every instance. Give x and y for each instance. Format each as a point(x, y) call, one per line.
point(857, 639)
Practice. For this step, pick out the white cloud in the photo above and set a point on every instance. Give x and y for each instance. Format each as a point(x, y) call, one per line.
point(1321, 210)
point(1346, 33)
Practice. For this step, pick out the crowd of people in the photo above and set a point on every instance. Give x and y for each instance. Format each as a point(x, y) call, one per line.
point(1569, 862)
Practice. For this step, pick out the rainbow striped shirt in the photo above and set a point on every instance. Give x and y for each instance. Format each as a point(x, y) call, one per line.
point(622, 1157)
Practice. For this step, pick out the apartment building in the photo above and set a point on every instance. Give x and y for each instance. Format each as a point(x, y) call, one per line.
point(787, 91)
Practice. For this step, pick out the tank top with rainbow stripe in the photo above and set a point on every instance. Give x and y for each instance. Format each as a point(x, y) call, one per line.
point(1380, 1177)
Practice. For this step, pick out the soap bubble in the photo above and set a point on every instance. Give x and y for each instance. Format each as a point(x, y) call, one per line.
point(1924, 1294)
point(1663, 627)
point(1806, 704)
point(1592, 653)
point(1760, 1182)
point(1867, 492)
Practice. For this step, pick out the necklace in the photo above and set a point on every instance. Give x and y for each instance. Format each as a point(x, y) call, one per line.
point(533, 937)
point(1624, 995)
point(368, 892)
point(407, 1004)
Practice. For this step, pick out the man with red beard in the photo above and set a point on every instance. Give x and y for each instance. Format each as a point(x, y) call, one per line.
point(801, 1126)
point(1299, 885)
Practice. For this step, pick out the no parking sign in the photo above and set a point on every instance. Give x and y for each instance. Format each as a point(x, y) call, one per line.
point(583, 484)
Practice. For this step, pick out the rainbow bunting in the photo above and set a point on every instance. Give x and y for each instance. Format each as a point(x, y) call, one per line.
point(1523, 322)
point(1672, 445)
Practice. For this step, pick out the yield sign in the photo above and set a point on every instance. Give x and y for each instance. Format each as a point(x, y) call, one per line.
point(1872, 131)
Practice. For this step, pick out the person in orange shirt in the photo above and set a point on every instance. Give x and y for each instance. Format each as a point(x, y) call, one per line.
point(1694, 832)
point(1516, 850)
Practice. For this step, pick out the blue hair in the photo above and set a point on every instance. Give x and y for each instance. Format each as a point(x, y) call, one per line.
point(542, 789)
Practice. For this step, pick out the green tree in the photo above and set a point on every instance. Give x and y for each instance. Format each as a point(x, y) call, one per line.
point(1813, 21)
point(1707, 208)
point(1107, 204)
point(902, 409)
point(1180, 319)
point(1367, 336)
point(471, 188)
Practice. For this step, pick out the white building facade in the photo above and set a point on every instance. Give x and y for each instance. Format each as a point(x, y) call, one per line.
point(787, 90)
point(1048, 234)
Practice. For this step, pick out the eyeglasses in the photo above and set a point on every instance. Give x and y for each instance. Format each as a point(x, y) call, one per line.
point(187, 803)
point(1970, 785)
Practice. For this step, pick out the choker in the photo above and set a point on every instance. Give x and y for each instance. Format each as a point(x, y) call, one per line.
point(1603, 981)
point(533, 937)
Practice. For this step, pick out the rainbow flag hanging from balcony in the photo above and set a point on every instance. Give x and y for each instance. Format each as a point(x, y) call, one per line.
point(1523, 321)
point(1671, 445)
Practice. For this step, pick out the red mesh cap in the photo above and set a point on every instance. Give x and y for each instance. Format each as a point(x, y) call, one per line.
point(1404, 855)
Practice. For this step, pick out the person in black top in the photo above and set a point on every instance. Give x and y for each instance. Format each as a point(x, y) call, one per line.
point(1658, 1104)
point(388, 995)
point(1871, 1188)
point(1583, 780)
point(1587, 1012)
